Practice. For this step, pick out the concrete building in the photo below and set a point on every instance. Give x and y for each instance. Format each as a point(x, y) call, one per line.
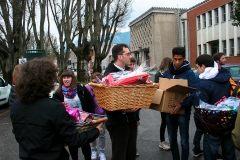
point(154, 33)
point(207, 28)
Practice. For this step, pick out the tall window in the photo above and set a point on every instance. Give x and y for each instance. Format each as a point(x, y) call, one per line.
point(205, 48)
point(231, 10)
point(223, 13)
point(224, 46)
point(216, 15)
point(204, 20)
point(232, 46)
point(199, 50)
point(210, 18)
point(199, 22)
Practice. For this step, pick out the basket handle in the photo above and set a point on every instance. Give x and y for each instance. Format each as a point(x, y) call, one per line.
point(96, 84)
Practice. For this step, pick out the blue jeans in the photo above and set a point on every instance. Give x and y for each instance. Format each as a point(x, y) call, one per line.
point(198, 133)
point(197, 139)
point(212, 143)
point(173, 122)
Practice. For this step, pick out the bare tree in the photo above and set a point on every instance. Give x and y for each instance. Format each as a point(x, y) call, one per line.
point(38, 33)
point(106, 22)
point(58, 10)
point(12, 34)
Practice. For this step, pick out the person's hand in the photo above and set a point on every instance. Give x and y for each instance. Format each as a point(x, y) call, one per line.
point(130, 110)
point(99, 127)
point(177, 108)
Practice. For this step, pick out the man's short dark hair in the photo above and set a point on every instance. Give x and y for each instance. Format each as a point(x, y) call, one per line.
point(117, 50)
point(179, 51)
point(133, 60)
point(205, 59)
point(217, 56)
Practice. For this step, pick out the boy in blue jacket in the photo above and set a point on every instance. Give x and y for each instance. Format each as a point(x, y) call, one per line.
point(213, 85)
point(180, 69)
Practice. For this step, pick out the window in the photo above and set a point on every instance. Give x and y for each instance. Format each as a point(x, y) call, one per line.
point(232, 47)
point(199, 22)
point(199, 50)
point(224, 46)
point(204, 20)
point(210, 18)
point(205, 48)
point(216, 15)
point(223, 13)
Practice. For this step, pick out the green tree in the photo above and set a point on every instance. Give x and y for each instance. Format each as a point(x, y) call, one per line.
point(236, 13)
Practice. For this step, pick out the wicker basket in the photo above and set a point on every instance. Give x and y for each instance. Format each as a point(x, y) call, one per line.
point(215, 122)
point(88, 127)
point(125, 96)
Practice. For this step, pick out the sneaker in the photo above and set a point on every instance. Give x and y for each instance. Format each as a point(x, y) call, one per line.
point(137, 154)
point(197, 153)
point(102, 156)
point(94, 155)
point(164, 145)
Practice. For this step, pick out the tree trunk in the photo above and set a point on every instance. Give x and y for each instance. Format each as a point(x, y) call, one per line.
point(82, 75)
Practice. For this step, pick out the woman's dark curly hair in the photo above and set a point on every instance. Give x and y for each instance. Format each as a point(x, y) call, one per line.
point(70, 73)
point(36, 80)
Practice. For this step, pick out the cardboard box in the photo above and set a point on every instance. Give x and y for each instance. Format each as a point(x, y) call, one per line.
point(171, 91)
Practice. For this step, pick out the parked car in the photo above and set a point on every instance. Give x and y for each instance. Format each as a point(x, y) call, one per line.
point(234, 69)
point(4, 91)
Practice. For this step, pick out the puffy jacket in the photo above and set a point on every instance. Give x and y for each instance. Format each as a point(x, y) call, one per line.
point(184, 72)
point(43, 127)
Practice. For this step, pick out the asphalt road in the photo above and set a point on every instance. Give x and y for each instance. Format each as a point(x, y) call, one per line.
point(147, 143)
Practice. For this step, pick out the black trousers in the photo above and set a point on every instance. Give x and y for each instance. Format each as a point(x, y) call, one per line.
point(123, 139)
point(86, 150)
point(163, 126)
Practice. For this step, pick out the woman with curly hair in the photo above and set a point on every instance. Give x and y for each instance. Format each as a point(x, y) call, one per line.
point(41, 125)
point(76, 96)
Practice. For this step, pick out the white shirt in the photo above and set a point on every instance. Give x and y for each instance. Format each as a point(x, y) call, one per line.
point(73, 102)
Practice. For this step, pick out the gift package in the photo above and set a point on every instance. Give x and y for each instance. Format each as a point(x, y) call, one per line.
point(218, 119)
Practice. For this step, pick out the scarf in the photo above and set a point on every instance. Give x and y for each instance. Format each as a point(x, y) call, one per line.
point(209, 72)
point(173, 71)
point(69, 93)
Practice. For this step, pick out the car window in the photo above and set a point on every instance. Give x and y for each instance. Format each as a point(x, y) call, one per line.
point(235, 71)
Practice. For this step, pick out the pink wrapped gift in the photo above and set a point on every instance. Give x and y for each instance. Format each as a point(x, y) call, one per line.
point(74, 113)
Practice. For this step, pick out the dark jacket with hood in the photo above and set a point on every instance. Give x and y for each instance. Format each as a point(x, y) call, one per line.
point(184, 72)
point(117, 117)
point(84, 96)
point(212, 90)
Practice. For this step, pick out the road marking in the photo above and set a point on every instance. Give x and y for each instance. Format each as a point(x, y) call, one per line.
point(4, 112)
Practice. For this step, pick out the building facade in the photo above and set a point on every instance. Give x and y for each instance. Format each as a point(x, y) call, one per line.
point(154, 33)
point(207, 29)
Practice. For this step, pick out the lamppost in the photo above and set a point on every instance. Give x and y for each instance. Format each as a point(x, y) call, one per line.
point(188, 36)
